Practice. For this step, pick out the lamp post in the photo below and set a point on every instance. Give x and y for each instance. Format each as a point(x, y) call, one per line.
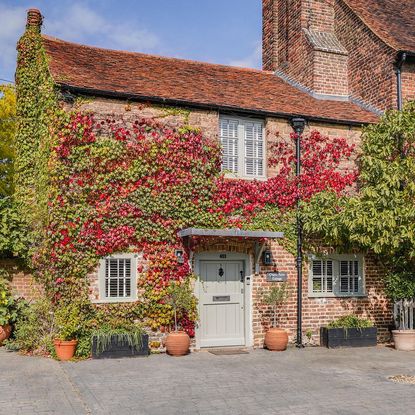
point(298, 125)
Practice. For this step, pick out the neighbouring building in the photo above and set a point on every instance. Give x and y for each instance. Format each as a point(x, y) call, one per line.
point(338, 64)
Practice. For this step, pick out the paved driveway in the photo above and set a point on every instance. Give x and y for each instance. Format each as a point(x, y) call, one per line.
point(309, 381)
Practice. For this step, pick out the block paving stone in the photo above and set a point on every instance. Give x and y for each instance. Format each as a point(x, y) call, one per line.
point(309, 381)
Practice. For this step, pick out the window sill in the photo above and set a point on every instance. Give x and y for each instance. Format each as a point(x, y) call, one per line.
point(316, 295)
point(234, 176)
point(114, 300)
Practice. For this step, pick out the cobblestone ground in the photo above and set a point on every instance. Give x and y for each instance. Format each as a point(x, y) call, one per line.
point(310, 381)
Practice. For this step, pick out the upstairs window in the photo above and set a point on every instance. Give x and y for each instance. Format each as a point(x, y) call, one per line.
point(339, 275)
point(118, 278)
point(243, 146)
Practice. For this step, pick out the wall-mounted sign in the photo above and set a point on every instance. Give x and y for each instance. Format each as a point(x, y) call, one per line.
point(277, 276)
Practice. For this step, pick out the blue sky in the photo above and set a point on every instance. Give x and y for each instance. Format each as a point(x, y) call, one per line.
point(218, 31)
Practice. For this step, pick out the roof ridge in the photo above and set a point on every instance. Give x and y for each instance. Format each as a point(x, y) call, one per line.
point(161, 57)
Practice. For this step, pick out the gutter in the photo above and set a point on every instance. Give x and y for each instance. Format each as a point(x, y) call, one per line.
point(399, 65)
point(189, 104)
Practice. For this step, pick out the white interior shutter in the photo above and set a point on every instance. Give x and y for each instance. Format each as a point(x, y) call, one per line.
point(229, 141)
point(349, 277)
point(254, 149)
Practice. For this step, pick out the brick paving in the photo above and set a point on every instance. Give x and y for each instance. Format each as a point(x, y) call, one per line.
point(310, 381)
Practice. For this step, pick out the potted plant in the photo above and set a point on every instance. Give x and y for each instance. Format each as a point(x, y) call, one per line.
point(9, 309)
point(67, 320)
point(182, 300)
point(116, 342)
point(348, 331)
point(400, 288)
point(276, 339)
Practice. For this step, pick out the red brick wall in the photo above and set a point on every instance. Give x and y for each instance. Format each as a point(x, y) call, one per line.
point(22, 282)
point(287, 49)
point(371, 72)
point(408, 81)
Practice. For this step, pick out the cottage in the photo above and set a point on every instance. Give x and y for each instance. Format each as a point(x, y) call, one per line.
point(337, 64)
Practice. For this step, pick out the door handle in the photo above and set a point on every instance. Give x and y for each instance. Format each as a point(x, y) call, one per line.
point(242, 276)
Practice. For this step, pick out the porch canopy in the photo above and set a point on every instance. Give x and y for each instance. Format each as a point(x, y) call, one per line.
point(257, 237)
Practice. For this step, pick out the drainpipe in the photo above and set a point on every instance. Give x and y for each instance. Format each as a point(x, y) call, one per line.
point(298, 125)
point(399, 65)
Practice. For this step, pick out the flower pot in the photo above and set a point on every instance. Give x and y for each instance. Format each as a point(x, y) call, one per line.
point(5, 332)
point(178, 343)
point(65, 350)
point(404, 340)
point(276, 339)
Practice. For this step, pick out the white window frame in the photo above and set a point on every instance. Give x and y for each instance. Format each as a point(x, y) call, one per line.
point(102, 277)
point(242, 121)
point(336, 258)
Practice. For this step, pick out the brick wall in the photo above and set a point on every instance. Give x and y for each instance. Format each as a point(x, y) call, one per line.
point(299, 41)
point(22, 282)
point(317, 311)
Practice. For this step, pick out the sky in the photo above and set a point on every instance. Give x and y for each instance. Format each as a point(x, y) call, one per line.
point(217, 31)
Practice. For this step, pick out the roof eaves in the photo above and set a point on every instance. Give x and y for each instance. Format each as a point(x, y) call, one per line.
point(204, 105)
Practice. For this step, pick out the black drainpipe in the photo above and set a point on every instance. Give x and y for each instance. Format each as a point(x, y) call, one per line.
point(298, 125)
point(399, 65)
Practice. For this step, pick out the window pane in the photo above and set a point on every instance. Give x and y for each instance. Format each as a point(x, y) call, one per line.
point(349, 277)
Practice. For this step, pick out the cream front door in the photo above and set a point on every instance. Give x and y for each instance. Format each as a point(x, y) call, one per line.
point(221, 303)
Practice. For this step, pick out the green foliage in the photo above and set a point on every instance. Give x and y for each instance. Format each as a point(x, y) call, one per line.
point(381, 216)
point(7, 133)
point(13, 232)
point(131, 337)
point(34, 330)
point(349, 322)
point(68, 321)
point(275, 297)
point(400, 285)
point(8, 312)
point(180, 297)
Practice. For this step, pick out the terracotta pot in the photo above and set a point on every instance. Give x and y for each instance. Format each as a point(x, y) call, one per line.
point(178, 343)
point(276, 339)
point(404, 339)
point(5, 332)
point(65, 350)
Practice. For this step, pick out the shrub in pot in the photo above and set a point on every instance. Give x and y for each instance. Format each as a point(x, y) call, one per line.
point(348, 331)
point(276, 339)
point(67, 319)
point(182, 301)
point(122, 341)
point(400, 288)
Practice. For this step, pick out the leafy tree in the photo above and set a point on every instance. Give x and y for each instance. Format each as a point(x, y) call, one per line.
point(7, 132)
point(381, 216)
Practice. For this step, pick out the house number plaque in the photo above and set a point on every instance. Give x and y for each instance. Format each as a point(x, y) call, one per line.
point(277, 276)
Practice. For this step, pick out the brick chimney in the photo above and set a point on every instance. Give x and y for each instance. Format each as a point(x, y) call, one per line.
point(300, 44)
point(34, 19)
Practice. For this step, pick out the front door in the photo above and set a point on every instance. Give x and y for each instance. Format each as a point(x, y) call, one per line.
point(221, 299)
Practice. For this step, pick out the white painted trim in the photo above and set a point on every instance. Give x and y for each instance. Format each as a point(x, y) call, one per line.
point(336, 278)
point(101, 279)
point(249, 275)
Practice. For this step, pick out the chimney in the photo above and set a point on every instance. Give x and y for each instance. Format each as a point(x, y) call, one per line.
point(34, 19)
point(300, 45)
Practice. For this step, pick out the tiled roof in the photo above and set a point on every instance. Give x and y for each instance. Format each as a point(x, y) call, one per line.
point(392, 20)
point(170, 80)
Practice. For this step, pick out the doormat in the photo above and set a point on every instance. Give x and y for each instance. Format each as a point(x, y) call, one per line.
point(228, 352)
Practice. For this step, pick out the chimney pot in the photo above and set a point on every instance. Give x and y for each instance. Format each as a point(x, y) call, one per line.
point(34, 19)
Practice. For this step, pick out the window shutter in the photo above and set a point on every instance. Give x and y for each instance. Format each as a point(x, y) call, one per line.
point(117, 278)
point(229, 140)
point(254, 149)
point(349, 276)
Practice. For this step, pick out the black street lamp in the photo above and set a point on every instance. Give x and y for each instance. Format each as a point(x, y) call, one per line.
point(298, 125)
